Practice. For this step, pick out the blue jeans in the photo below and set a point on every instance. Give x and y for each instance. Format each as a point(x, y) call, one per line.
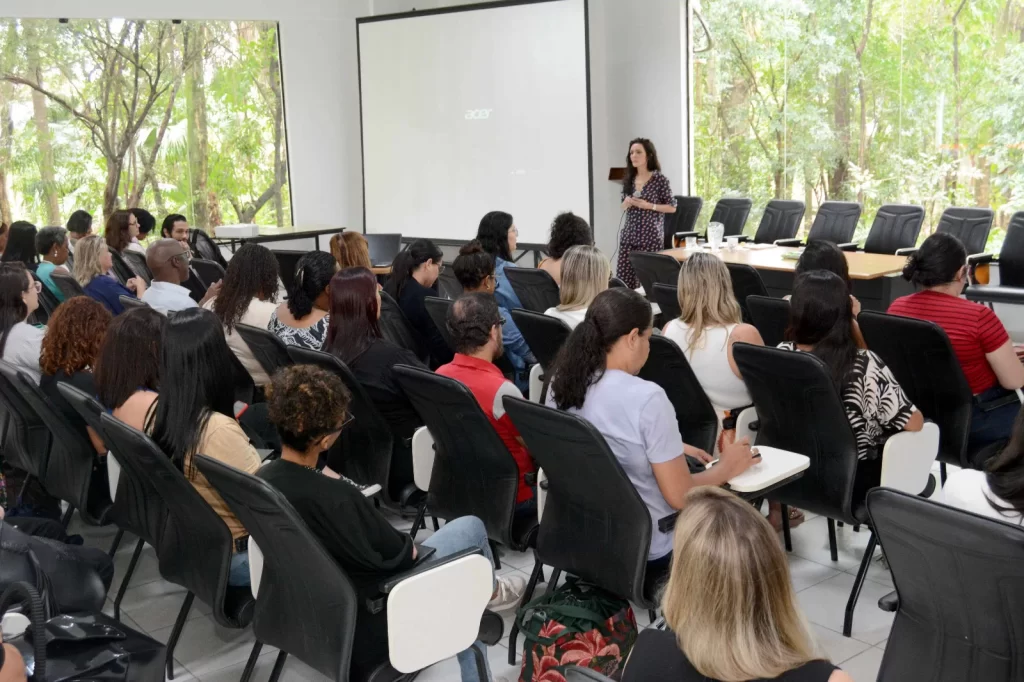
point(464, 533)
point(238, 576)
point(993, 426)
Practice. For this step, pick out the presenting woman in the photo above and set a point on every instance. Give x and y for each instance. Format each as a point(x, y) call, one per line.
point(646, 196)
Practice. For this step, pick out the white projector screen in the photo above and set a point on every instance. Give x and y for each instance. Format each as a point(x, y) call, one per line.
point(470, 111)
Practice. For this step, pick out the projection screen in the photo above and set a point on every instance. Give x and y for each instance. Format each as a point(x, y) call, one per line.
point(466, 111)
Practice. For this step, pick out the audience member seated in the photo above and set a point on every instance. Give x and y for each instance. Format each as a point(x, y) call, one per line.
point(354, 337)
point(122, 232)
point(248, 295)
point(979, 339)
point(145, 221)
point(414, 276)
point(93, 264)
point(998, 491)
point(52, 246)
point(175, 226)
point(303, 319)
point(567, 230)
point(474, 322)
point(729, 584)
point(474, 269)
point(127, 372)
point(79, 225)
point(168, 260)
point(350, 250)
point(498, 234)
point(195, 414)
point(821, 322)
point(585, 273)
point(822, 255)
point(70, 349)
point(309, 407)
point(595, 378)
point(20, 342)
point(21, 245)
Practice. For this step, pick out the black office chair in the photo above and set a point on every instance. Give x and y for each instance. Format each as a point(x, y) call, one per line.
point(680, 224)
point(448, 285)
point(595, 525)
point(474, 473)
point(396, 328)
point(67, 284)
point(1011, 268)
point(733, 214)
point(771, 318)
point(207, 271)
point(970, 225)
point(667, 298)
point(616, 282)
point(894, 229)
point(47, 302)
point(194, 547)
point(245, 387)
point(536, 289)
point(27, 441)
point(781, 220)
point(204, 247)
point(835, 222)
point(653, 268)
point(969, 633)
point(269, 350)
point(543, 334)
point(667, 366)
point(437, 308)
point(137, 262)
point(121, 269)
point(287, 259)
point(130, 302)
point(746, 281)
point(580, 674)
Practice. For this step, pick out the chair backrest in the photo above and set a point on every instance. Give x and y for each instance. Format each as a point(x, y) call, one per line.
point(448, 285)
point(781, 220)
point(835, 221)
point(287, 259)
point(970, 225)
point(746, 281)
point(1011, 256)
point(616, 282)
point(771, 317)
point(896, 226)
point(245, 387)
point(652, 268)
point(437, 308)
point(67, 284)
point(595, 526)
point(667, 298)
point(733, 214)
point(27, 441)
point(383, 247)
point(311, 616)
point(121, 269)
point(204, 247)
point(921, 358)
point(363, 451)
point(684, 219)
point(474, 473)
point(137, 262)
point(47, 301)
point(971, 633)
point(799, 409)
point(667, 366)
point(269, 350)
point(207, 271)
point(397, 329)
point(129, 302)
point(535, 288)
point(543, 334)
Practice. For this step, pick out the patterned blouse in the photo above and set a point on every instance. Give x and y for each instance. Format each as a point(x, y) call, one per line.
point(874, 402)
point(312, 338)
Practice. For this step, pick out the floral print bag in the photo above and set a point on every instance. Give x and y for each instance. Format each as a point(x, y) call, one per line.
point(576, 625)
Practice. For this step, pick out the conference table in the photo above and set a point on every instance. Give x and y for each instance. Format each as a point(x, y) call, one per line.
point(876, 277)
point(270, 233)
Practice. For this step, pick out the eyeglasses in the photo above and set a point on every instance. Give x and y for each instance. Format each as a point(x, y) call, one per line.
point(440, 268)
point(186, 254)
point(38, 286)
point(502, 321)
point(348, 420)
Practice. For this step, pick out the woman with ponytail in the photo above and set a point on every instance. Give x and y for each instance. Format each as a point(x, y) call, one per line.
point(595, 378)
point(414, 276)
point(303, 319)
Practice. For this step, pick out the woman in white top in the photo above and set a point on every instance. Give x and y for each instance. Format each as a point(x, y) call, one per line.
point(20, 342)
point(999, 490)
point(585, 274)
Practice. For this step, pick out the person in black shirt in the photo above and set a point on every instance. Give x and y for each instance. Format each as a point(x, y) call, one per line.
point(414, 277)
point(309, 407)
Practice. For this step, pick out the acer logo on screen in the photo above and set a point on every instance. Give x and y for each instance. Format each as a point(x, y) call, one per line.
point(478, 114)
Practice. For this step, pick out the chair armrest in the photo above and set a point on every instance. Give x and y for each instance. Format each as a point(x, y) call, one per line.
point(907, 459)
point(907, 251)
point(430, 564)
point(981, 258)
point(422, 458)
point(848, 246)
point(995, 293)
point(684, 235)
point(536, 383)
point(788, 242)
point(746, 424)
point(889, 602)
point(542, 492)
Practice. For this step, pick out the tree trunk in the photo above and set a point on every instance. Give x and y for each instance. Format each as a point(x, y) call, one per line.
point(43, 138)
point(862, 142)
point(113, 185)
point(957, 103)
point(279, 166)
point(841, 114)
point(195, 43)
point(6, 143)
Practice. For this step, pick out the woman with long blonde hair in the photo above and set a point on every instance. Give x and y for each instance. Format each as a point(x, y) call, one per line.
point(351, 251)
point(585, 273)
point(729, 604)
point(93, 264)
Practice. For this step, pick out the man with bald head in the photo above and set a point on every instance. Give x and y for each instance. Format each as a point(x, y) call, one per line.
point(169, 262)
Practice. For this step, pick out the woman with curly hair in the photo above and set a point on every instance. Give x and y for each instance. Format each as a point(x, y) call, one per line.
point(303, 319)
point(248, 295)
point(70, 349)
point(567, 230)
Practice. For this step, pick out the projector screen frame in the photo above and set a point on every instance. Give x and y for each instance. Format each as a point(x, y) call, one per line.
point(471, 8)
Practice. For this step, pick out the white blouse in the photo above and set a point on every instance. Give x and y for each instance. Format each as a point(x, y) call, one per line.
point(570, 317)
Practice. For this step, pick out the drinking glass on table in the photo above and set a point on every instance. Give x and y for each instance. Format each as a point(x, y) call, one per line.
point(715, 233)
point(691, 243)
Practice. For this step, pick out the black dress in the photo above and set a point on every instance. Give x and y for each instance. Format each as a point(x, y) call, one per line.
point(412, 304)
point(656, 657)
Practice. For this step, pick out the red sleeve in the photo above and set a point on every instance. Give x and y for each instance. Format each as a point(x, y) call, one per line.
point(991, 332)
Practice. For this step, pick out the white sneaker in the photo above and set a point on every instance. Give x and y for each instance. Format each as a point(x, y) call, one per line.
point(509, 591)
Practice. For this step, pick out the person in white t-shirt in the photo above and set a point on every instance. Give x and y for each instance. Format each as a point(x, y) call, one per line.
point(585, 273)
point(998, 491)
point(20, 342)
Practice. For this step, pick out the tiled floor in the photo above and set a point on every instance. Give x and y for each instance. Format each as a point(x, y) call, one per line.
point(209, 653)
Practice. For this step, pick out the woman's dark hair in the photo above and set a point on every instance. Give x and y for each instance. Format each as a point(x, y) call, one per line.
point(420, 251)
point(936, 262)
point(80, 222)
point(74, 334)
point(568, 230)
point(1005, 471)
point(821, 315)
point(21, 244)
point(129, 358)
point(822, 255)
point(117, 233)
point(354, 314)
point(613, 314)
point(493, 234)
point(50, 237)
point(629, 182)
point(168, 224)
point(473, 265)
point(193, 356)
point(146, 220)
point(251, 273)
point(306, 403)
point(313, 274)
point(13, 283)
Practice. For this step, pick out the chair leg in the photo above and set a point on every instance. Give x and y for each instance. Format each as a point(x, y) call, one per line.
point(652, 615)
point(942, 472)
point(66, 518)
point(250, 665)
point(116, 543)
point(481, 664)
point(494, 553)
point(437, 526)
point(556, 573)
point(127, 577)
point(419, 521)
point(832, 539)
point(839, 524)
point(179, 624)
point(862, 573)
point(278, 666)
point(785, 528)
point(531, 586)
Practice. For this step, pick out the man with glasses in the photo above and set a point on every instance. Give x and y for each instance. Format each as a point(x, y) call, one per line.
point(169, 262)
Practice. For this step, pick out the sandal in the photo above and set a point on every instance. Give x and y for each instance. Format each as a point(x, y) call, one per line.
point(796, 517)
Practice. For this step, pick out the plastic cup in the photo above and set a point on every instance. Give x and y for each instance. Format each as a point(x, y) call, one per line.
point(691, 243)
point(715, 233)
point(733, 242)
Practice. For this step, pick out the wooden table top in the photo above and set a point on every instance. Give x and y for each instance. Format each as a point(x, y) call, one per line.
point(386, 270)
point(862, 265)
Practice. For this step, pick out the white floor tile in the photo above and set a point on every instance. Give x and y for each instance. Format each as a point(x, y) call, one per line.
point(825, 604)
point(205, 646)
point(864, 667)
point(155, 605)
point(448, 670)
point(804, 573)
point(810, 541)
point(834, 646)
point(294, 671)
point(146, 570)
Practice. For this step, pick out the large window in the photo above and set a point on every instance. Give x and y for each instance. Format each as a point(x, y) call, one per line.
point(175, 117)
point(876, 101)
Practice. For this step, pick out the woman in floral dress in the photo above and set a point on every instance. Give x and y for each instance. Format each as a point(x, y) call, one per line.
point(646, 197)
